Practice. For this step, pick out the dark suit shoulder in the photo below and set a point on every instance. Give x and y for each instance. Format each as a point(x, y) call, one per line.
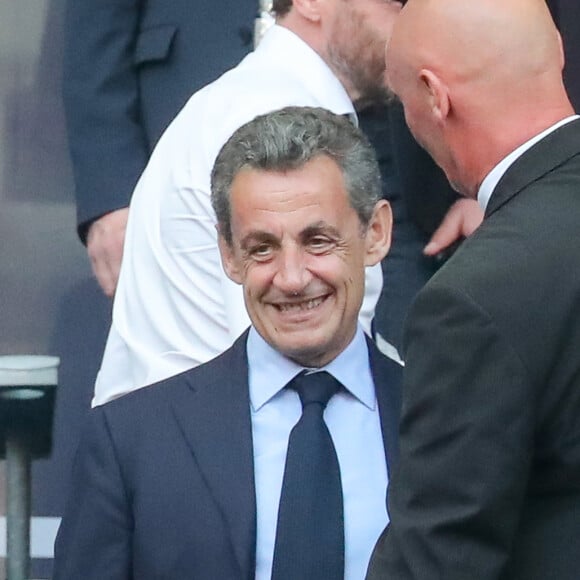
point(152, 398)
point(520, 271)
point(527, 240)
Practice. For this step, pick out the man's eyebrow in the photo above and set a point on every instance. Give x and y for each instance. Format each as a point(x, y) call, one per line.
point(319, 228)
point(260, 237)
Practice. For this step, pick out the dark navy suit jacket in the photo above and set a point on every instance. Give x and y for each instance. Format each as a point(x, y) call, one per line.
point(129, 67)
point(163, 485)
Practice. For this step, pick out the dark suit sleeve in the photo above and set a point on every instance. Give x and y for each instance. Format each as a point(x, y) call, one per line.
point(94, 539)
point(465, 438)
point(107, 142)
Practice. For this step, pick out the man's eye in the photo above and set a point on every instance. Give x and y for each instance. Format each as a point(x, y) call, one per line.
point(320, 244)
point(261, 252)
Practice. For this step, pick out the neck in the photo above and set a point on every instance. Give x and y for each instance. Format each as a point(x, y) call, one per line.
point(485, 144)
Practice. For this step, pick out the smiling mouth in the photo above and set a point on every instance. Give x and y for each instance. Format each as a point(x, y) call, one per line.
point(301, 306)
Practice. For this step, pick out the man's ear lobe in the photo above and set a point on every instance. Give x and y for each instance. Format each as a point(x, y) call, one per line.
point(378, 234)
point(308, 9)
point(229, 262)
point(437, 94)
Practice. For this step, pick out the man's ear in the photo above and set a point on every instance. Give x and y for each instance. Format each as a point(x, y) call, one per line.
point(378, 234)
point(309, 9)
point(229, 262)
point(437, 94)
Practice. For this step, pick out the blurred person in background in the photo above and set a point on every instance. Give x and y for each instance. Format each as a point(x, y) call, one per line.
point(129, 68)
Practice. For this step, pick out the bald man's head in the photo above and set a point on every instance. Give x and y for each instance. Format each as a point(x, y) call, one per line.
point(470, 73)
point(466, 38)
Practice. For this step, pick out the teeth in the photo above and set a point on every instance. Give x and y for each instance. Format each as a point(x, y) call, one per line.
point(309, 305)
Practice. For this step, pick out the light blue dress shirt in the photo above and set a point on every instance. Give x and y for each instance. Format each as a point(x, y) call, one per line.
point(353, 420)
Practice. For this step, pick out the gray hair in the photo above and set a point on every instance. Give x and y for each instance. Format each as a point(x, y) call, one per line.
point(287, 139)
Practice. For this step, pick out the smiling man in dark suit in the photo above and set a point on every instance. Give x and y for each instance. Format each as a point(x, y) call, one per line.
point(488, 483)
point(184, 479)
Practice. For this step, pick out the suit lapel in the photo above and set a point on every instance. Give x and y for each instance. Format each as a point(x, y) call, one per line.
point(553, 150)
point(387, 376)
point(215, 420)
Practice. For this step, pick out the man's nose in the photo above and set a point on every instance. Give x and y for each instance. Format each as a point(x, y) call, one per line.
point(292, 275)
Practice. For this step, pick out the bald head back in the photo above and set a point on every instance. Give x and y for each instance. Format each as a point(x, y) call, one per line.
point(490, 72)
point(479, 40)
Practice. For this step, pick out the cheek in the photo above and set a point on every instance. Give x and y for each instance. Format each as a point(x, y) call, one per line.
point(256, 276)
point(338, 269)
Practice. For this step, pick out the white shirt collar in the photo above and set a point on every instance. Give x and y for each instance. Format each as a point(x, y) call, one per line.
point(492, 179)
point(270, 371)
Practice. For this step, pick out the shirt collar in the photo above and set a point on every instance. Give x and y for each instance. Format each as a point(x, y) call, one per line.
point(270, 371)
point(492, 179)
point(307, 64)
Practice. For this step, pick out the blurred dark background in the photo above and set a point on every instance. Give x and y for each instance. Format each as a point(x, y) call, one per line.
point(49, 303)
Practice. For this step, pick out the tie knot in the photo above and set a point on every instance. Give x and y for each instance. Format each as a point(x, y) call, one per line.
point(316, 387)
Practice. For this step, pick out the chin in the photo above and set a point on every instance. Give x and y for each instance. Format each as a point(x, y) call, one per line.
point(313, 354)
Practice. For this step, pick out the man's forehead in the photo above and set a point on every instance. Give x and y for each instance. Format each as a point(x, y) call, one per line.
point(320, 175)
point(290, 204)
point(287, 168)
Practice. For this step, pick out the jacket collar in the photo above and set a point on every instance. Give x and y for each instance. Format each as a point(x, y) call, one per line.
point(543, 157)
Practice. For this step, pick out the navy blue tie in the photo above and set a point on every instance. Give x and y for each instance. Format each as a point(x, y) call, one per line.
point(310, 531)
